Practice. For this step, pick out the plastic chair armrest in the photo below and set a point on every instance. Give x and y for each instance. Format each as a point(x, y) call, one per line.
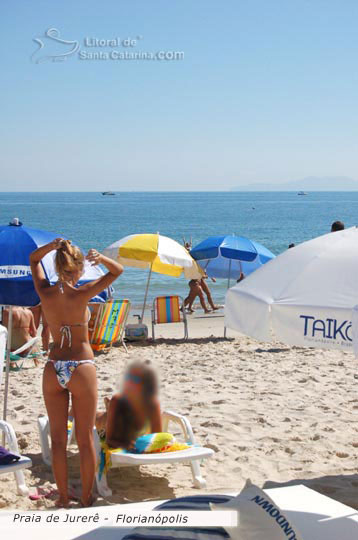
point(10, 436)
point(182, 421)
point(28, 345)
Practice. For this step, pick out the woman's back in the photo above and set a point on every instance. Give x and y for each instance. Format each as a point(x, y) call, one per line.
point(66, 311)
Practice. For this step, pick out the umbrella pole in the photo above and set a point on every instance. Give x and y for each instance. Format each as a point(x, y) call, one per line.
point(228, 287)
point(228, 279)
point(8, 348)
point(146, 292)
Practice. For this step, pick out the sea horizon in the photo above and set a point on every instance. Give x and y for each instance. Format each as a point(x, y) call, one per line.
point(275, 219)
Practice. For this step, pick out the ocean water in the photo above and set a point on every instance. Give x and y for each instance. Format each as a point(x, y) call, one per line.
point(274, 219)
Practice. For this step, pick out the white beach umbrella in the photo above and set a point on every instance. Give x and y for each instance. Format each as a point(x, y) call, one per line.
point(303, 297)
point(157, 253)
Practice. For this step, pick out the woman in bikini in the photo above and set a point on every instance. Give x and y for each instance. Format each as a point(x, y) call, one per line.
point(70, 368)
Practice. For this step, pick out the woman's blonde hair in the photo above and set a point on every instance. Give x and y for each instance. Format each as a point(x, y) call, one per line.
point(68, 259)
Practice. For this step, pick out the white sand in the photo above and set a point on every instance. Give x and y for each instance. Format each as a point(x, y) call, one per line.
point(274, 414)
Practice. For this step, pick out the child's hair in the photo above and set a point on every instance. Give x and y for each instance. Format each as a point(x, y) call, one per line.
point(68, 259)
point(126, 423)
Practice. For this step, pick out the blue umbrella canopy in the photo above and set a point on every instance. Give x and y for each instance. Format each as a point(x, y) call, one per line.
point(16, 285)
point(228, 256)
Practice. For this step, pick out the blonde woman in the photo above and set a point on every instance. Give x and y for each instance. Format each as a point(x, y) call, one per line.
point(70, 368)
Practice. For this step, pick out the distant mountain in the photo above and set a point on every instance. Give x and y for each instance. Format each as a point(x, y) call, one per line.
point(311, 183)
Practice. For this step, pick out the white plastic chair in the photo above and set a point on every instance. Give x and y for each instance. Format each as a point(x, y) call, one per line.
point(28, 346)
point(17, 466)
point(193, 455)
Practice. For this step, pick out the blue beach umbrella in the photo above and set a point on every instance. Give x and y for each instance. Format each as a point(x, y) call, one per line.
point(16, 285)
point(228, 256)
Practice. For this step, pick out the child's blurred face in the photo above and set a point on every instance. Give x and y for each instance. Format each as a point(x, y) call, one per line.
point(133, 381)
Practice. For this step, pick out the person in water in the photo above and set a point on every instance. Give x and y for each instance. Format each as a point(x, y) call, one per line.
point(241, 277)
point(70, 367)
point(337, 226)
point(133, 411)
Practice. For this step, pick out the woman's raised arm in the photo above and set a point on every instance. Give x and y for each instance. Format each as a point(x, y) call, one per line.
point(38, 274)
point(114, 271)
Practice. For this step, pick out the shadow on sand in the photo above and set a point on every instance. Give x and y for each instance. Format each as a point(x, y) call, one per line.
point(343, 488)
point(129, 484)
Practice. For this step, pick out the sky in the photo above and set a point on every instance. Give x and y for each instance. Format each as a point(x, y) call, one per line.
point(260, 92)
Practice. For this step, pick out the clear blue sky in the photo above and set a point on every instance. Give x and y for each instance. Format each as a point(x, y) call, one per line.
point(267, 91)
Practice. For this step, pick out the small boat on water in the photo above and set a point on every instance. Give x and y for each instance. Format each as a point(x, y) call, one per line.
point(108, 193)
point(302, 193)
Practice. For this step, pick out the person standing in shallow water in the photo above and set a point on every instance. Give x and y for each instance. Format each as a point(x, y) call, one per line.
point(70, 368)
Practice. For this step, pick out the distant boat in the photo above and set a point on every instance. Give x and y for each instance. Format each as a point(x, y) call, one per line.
point(108, 193)
point(302, 193)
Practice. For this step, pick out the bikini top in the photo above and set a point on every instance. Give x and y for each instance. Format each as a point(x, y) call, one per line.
point(66, 333)
point(65, 330)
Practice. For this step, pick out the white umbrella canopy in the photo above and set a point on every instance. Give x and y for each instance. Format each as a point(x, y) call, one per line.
point(303, 297)
point(157, 253)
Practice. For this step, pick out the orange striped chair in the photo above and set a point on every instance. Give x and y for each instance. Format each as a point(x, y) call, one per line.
point(107, 323)
point(169, 309)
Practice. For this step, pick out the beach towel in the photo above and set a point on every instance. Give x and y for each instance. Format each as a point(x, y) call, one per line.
point(7, 457)
point(152, 443)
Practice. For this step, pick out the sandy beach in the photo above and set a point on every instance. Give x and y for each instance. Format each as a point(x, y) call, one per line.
point(274, 414)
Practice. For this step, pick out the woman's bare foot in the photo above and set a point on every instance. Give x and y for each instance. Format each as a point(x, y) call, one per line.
point(62, 502)
point(88, 501)
point(206, 311)
point(215, 308)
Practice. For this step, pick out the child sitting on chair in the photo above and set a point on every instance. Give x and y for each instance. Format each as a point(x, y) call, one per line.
point(134, 411)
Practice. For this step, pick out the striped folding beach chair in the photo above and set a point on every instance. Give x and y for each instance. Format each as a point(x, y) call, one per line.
point(107, 323)
point(169, 309)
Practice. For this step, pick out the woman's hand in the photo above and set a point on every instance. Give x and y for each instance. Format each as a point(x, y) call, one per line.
point(57, 243)
point(93, 257)
point(39, 253)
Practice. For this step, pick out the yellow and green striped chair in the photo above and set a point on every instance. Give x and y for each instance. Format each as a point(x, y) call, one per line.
point(107, 323)
point(169, 309)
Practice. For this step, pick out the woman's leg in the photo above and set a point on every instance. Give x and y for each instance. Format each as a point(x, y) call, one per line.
point(56, 400)
point(207, 291)
point(83, 387)
point(189, 300)
point(199, 292)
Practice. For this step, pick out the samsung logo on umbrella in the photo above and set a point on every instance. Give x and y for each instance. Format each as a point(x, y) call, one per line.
point(14, 271)
point(327, 328)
